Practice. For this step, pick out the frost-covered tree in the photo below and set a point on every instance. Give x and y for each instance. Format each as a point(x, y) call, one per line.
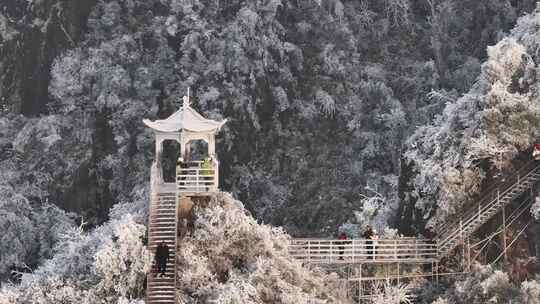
point(486, 285)
point(229, 257)
point(232, 258)
point(30, 232)
point(388, 293)
point(491, 124)
point(312, 88)
point(535, 209)
point(108, 264)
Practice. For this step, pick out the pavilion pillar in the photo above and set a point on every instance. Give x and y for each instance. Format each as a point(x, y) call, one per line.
point(211, 145)
point(183, 147)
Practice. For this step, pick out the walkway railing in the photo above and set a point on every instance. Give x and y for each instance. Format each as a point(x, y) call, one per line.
point(192, 177)
point(320, 251)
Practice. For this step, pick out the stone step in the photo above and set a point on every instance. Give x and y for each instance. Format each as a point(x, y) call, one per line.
point(162, 215)
point(164, 236)
point(164, 203)
point(161, 289)
point(162, 224)
point(169, 232)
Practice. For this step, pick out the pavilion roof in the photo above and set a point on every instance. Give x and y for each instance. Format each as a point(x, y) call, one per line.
point(185, 119)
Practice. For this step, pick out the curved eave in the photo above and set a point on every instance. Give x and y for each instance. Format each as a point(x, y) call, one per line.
point(166, 127)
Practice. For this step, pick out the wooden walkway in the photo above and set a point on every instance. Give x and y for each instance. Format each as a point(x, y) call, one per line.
point(323, 251)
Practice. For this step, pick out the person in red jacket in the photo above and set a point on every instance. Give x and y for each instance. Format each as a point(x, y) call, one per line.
point(342, 237)
point(536, 152)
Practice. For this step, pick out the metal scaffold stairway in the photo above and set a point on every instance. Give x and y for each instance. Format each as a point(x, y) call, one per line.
point(491, 203)
point(162, 228)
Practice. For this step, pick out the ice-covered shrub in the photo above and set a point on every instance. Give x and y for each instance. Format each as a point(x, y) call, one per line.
point(388, 293)
point(495, 121)
point(530, 291)
point(486, 285)
point(29, 231)
point(232, 259)
point(108, 264)
point(535, 209)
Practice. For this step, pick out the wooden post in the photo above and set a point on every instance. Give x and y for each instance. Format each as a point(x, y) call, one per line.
point(309, 251)
point(197, 180)
point(462, 242)
point(395, 249)
point(468, 255)
point(504, 235)
point(437, 271)
point(360, 287)
point(398, 274)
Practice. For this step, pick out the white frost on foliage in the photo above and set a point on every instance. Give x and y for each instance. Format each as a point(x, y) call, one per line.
point(6, 31)
point(530, 291)
point(375, 212)
point(171, 25)
point(388, 293)
point(535, 209)
point(492, 122)
point(41, 134)
point(440, 301)
point(495, 281)
point(232, 259)
point(121, 261)
point(109, 264)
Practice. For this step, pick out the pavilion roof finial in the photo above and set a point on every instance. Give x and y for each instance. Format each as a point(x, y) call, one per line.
point(187, 101)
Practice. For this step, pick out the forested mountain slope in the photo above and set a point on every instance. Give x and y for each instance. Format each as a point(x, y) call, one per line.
point(326, 89)
point(332, 106)
point(477, 137)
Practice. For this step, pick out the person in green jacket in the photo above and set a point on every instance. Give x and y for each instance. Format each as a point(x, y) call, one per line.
point(207, 166)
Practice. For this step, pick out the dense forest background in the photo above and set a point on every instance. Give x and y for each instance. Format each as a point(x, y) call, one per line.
point(325, 99)
point(325, 89)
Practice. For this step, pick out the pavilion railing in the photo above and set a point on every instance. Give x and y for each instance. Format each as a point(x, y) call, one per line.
point(363, 250)
point(193, 177)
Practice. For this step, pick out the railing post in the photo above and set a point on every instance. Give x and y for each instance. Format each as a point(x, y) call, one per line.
point(461, 228)
point(197, 182)
point(395, 249)
point(416, 249)
point(216, 177)
point(309, 251)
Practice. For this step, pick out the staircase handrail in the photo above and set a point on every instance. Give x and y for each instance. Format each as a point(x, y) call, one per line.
point(488, 201)
point(473, 214)
point(490, 194)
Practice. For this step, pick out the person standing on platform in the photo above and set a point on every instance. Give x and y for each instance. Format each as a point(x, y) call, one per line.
point(342, 237)
point(368, 235)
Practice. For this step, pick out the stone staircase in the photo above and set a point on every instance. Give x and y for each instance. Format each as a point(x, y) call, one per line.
point(500, 195)
point(162, 228)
